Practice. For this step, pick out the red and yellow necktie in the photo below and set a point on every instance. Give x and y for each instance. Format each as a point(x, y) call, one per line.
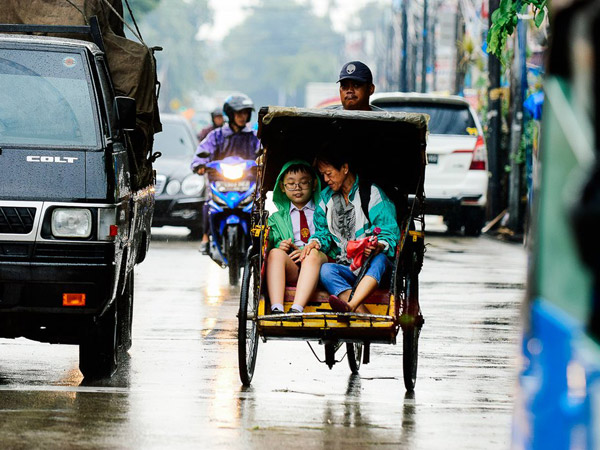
point(304, 230)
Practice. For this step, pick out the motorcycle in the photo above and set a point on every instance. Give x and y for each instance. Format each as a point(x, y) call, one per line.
point(232, 185)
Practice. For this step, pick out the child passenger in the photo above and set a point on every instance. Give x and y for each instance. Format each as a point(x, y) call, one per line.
point(295, 194)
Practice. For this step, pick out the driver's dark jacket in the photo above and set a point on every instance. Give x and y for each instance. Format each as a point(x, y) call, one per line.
point(223, 142)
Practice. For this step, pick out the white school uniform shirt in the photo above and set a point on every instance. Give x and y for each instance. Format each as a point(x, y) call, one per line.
point(309, 212)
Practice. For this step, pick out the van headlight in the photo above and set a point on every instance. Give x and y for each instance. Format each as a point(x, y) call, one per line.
point(192, 185)
point(173, 187)
point(71, 222)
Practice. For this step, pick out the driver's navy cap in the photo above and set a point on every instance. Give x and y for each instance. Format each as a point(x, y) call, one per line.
point(356, 70)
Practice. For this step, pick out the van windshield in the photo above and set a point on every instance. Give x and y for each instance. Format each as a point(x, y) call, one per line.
point(45, 100)
point(445, 118)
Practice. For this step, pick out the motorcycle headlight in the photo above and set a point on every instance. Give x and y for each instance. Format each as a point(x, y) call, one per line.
point(233, 171)
point(173, 187)
point(71, 222)
point(192, 185)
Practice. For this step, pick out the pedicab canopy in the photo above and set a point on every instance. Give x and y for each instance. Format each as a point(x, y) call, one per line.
point(385, 148)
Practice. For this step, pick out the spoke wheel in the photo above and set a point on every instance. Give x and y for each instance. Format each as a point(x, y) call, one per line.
point(354, 351)
point(247, 326)
point(410, 356)
point(411, 332)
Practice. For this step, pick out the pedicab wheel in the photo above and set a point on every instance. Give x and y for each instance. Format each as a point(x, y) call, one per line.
point(411, 332)
point(410, 355)
point(354, 350)
point(247, 327)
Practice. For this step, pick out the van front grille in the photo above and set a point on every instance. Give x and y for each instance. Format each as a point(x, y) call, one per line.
point(16, 220)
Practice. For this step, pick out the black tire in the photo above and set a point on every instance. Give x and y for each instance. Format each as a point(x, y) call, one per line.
point(473, 227)
point(411, 331)
point(196, 233)
point(355, 351)
point(98, 350)
point(453, 224)
point(410, 356)
point(233, 255)
point(125, 315)
point(247, 326)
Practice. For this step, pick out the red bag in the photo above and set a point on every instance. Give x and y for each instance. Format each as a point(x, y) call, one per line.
point(356, 249)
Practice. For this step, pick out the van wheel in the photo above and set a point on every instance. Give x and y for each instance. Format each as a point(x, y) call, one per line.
point(125, 315)
point(98, 350)
point(142, 249)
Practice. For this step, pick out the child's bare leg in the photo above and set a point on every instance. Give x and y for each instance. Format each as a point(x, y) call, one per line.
point(365, 288)
point(309, 277)
point(280, 268)
point(344, 296)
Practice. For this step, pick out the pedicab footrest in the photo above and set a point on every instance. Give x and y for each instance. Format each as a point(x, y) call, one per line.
point(306, 318)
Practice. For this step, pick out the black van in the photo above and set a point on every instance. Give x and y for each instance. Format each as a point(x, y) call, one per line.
point(72, 223)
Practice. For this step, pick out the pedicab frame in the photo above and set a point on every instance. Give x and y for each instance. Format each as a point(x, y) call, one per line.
point(389, 149)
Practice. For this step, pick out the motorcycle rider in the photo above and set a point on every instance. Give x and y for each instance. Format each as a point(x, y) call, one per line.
point(217, 120)
point(236, 138)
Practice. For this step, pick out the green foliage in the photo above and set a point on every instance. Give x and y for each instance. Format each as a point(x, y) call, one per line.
point(504, 22)
point(173, 25)
point(280, 47)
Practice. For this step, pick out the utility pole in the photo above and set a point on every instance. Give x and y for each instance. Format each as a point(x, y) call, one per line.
point(494, 124)
point(459, 36)
point(389, 59)
point(404, 53)
point(425, 49)
point(413, 66)
point(433, 47)
point(518, 81)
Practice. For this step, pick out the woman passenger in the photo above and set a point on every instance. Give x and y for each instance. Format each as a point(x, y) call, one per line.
point(339, 218)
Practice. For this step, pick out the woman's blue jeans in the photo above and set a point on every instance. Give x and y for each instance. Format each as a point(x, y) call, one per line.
point(338, 278)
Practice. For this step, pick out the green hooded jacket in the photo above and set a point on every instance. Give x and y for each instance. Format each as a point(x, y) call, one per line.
point(280, 221)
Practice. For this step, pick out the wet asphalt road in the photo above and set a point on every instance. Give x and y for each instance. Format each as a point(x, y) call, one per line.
point(179, 386)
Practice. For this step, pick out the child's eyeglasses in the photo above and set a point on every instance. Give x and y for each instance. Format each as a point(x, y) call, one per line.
point(294, 186)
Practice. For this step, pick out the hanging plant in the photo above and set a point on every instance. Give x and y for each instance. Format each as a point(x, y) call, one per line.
point(505, 19)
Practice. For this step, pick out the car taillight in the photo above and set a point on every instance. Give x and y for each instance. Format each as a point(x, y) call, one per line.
point(479, 155)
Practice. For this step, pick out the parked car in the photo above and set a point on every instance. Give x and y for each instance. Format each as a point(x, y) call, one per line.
point(180, 194)
point(456, 178)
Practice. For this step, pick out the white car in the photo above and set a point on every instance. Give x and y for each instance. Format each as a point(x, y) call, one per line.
point(456, 177)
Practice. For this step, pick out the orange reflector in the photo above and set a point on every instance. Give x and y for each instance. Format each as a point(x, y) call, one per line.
point(73, 299)
point(114, 230)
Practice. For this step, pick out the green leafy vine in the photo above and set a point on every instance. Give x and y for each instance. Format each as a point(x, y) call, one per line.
point(505, 19)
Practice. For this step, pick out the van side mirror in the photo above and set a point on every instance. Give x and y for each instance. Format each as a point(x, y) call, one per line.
point(126, 112)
